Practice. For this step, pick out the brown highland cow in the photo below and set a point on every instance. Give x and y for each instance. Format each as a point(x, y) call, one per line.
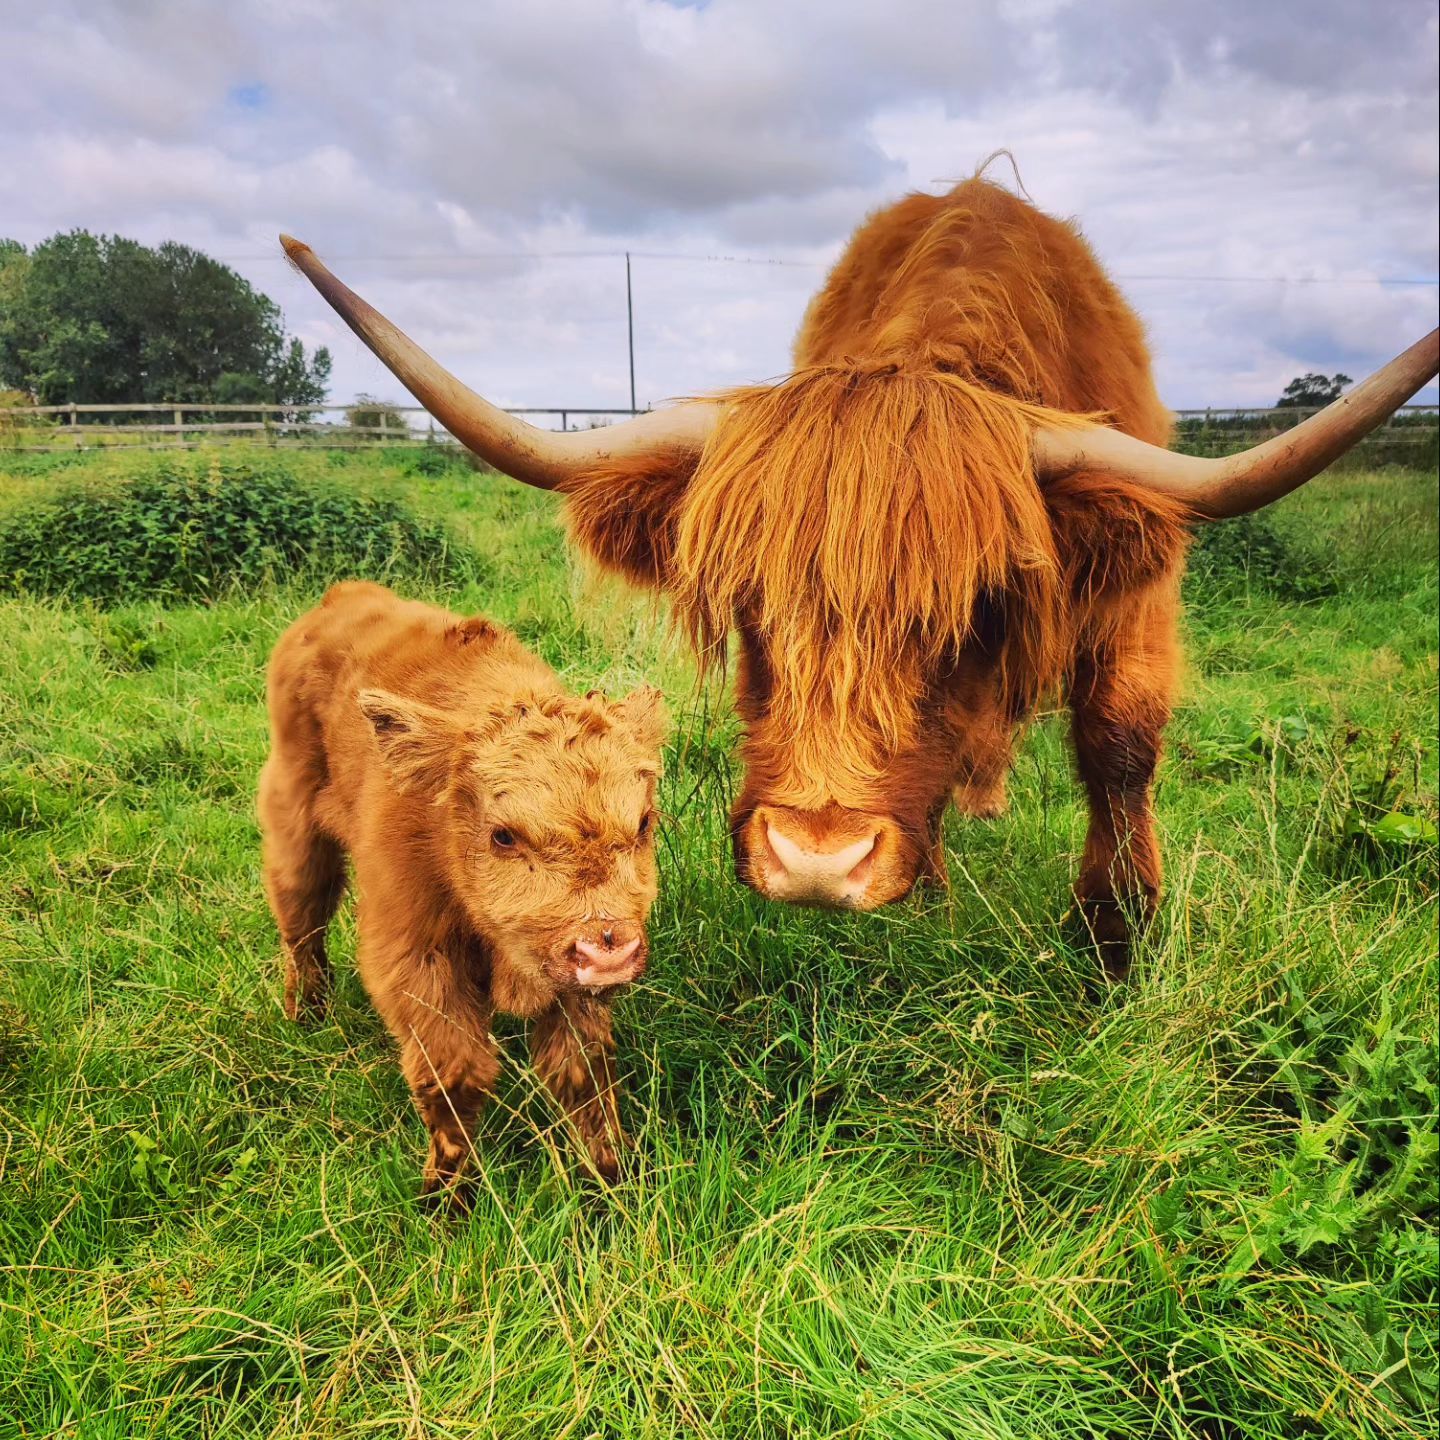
point(960, 502)
point(501, 832)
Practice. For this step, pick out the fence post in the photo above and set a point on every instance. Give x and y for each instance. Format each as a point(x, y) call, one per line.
point(384, 427)
point(74, 424)
point(180, 425)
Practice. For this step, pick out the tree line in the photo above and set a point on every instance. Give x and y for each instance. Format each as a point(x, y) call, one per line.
point(100, 319)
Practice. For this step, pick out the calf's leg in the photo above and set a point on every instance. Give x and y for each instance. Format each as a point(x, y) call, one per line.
point(304, 879)
point(440, 1014)
point(573, 1051)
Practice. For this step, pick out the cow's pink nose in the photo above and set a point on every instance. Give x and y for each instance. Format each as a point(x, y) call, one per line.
point(817, 871)
point(606, 964)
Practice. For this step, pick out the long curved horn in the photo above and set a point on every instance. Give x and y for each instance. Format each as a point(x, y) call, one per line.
point(1238, 484)
point(544, 458)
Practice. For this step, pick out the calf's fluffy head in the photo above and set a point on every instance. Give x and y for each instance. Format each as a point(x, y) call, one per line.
point(543, 809)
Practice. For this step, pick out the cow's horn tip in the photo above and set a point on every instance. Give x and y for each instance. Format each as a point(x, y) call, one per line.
point(292, 246)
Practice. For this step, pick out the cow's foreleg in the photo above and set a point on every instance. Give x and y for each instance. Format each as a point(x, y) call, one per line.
point(984, 730)
point(1120, 703)
point(573, 1051)
point(979, 788)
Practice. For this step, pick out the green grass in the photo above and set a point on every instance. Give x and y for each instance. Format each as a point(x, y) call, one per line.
point(896, 1174)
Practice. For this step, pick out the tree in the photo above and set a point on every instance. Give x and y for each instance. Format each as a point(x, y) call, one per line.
point(14, 267)
point(368, 414)
point(99, 319)
point(1307, 392)
point(299, 381)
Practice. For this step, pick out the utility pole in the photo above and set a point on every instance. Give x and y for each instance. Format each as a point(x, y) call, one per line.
point(630, 326)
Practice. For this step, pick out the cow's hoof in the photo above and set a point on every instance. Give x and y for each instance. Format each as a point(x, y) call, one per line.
point(981, 802)
point(1101, 927)
point(447, 1195)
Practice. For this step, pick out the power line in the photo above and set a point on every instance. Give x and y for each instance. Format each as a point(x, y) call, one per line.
point(1280, 279)
point(484, 257)
point(488, 255)
point(733, 259)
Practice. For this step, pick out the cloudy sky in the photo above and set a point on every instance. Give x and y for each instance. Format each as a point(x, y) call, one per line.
point(1260, 175)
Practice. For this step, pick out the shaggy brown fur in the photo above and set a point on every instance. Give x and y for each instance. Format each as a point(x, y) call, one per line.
point(501, 835)
point(903, 588)
point(854, 610)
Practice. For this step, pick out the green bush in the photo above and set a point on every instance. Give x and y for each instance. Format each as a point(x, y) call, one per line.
point(367, 415)
point(1251, 552)
point(435, 460)
point(188, 531)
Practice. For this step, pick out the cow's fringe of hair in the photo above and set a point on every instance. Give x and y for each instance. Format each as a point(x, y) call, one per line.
point(859, 517)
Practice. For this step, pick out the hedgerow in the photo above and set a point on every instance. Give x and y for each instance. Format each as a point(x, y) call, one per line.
point(197, 529)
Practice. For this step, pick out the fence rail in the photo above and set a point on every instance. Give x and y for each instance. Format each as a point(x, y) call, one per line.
point(1408, 437)
point(49, 428)
point(62, 427)
point(1299, 412)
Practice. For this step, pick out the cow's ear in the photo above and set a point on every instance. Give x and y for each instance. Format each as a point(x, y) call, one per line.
point(418, 744)
point(623, 512)
point(642, 712)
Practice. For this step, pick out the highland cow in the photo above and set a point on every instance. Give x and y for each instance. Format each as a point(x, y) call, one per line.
point(959, 502)
point(502, 837)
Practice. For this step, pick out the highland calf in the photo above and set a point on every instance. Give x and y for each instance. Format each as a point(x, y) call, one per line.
point(502, 837)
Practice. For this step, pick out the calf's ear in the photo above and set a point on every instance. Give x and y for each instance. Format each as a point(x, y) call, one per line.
point(643, 712)
point(622, 512)
point(417, 743)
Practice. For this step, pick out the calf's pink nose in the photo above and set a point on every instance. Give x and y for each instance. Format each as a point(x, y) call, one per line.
point(607, 958)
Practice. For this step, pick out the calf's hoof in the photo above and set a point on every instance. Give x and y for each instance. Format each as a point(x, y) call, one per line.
point(448, 1182)
point(306, 1002)
point(309, 1011)
point(604, 1167)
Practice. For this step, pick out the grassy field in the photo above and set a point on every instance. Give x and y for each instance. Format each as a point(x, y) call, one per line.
point(897, 1175)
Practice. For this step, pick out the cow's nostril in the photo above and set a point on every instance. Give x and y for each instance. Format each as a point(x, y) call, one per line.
point(608, 937)
point(795, 858)
point(863, 865)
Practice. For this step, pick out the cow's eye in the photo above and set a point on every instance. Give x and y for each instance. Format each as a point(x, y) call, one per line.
point(502, 840)
point(644, 829)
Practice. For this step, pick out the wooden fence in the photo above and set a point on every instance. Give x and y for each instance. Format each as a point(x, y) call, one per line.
point(1409, 436)
point(41, 428)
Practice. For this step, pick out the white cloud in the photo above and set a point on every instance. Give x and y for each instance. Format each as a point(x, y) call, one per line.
point(1231, 140)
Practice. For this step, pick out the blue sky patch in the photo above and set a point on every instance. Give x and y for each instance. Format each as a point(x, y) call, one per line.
point(253, 96)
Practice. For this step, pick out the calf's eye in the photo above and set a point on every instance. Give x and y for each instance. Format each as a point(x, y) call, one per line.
point(503, 840)
point(644, 829)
